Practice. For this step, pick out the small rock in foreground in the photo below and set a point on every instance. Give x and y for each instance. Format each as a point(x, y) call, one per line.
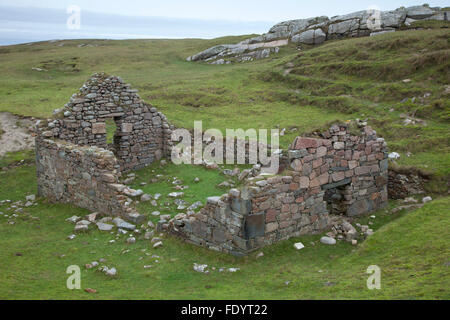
point(328, 240)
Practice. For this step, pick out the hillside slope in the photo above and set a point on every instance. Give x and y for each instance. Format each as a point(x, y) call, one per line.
point(374, 78)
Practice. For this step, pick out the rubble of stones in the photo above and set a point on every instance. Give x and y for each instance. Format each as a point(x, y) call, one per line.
point(314, 31)
point(405, 184)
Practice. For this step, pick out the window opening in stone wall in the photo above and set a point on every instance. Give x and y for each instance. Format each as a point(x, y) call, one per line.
point(338, 199)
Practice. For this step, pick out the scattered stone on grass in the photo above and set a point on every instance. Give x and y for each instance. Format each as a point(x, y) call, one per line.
point(328, 240)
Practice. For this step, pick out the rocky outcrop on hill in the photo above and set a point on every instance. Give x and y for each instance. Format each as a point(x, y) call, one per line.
point(317, 30)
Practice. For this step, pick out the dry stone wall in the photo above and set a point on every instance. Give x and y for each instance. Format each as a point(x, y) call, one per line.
point(84, 175)
point(74, 162)
point(142, 135)
point(340, 173)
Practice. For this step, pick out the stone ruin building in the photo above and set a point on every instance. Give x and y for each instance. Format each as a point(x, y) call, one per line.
point(343, 172)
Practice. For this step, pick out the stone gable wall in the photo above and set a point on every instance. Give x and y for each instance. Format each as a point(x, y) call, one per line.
point(142, 135)
point(342, 173)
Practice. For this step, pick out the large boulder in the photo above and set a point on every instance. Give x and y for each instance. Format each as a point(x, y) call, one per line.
point(291, 27)
point(310, 37)
point(344, 27)
point(318, 29)
point(392, 18)
point(441, 16)
point(210, 52)
point(419, 12)
point(359, 15)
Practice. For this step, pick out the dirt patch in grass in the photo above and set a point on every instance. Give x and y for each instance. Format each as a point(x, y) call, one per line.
point(14, 133)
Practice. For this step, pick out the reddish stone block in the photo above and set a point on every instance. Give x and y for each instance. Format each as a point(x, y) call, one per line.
point(285, 224)
point(314, 183)
point(324, 168)
point(323, 179)
point(285, 208)
point(321, 151)
point(352, 164)
point(338, 176)
point(349, 173)
point(362, 170)
point(297, 165)
point(304, 182)
point(264, 205)
point(317, 163)
point(303, 143)
point(271, 215)
point(348, 154)
point(294, 186)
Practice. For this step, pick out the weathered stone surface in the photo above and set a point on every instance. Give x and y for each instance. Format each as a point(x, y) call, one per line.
point(120, 223)
point(104, 226)
point(328, 240)
point(419, 12)
point(254, 225)
point(98, 128)
point(316, 36)
point(317, 30)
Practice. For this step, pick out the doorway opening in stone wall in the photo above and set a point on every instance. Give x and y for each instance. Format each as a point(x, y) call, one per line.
point(338, 199)
point(111, 136)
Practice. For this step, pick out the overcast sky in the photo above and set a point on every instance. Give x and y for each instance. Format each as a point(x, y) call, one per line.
point(35, 20)
point(244, 10)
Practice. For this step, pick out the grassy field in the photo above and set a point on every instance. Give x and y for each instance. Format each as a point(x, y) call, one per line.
point(411, 248)
point(297, 90)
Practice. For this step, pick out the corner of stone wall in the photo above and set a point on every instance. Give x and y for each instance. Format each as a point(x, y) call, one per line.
point(86, 176)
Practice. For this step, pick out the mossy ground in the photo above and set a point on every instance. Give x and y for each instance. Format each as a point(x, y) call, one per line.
point(340, 80)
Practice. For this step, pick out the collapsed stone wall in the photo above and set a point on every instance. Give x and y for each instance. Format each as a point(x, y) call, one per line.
point(84, 175)
point(142, 135)
point(405, 183)
point(313, 31)
point(354, 168)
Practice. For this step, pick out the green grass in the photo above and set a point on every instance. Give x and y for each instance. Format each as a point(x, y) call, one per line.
point(340, 80)
point(111, 128)
point(197, 191)
point(410, 248)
